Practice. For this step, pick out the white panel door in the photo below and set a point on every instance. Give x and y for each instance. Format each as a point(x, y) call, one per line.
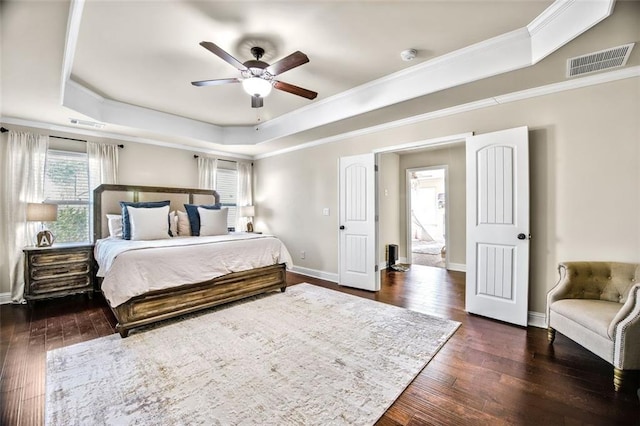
point(357, 223)
point(498, 225)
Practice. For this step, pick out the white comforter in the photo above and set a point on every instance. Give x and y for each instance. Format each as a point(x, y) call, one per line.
point(131, 268)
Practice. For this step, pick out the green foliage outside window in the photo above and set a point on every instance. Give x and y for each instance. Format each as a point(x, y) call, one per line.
point(72, 224)
point(67, 184)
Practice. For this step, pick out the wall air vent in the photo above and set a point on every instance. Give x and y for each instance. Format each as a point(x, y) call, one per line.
point(87, 123)
point(614, 57)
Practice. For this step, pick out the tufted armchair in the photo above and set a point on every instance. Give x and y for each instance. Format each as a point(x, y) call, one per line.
point(597, 305)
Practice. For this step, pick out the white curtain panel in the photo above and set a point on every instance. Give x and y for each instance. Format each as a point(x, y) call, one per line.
point(22, 183)
point(207, 172)
point(103, 168)
point(245, 198)
point(103, 163)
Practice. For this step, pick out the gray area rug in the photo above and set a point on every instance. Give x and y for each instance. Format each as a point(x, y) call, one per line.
point(427, 247)
point(309, 356)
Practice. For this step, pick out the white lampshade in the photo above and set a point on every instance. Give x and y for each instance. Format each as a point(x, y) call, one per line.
point(42, 212)
point(247, 211)
point(256, 86)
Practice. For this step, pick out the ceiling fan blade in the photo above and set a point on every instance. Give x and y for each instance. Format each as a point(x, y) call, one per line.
point(257, 102)
point(223, 55)
point(285, 64)
point(217, 82)
point(280, 85)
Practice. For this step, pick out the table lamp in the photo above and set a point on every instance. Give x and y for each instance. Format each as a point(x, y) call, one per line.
point(42, 212)
point(248, 211)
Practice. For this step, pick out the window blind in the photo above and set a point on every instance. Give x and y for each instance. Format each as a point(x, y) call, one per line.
point(66, 183)
point(227, 187)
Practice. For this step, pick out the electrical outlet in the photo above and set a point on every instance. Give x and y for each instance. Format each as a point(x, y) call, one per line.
point(303, 254)
point(325, 211)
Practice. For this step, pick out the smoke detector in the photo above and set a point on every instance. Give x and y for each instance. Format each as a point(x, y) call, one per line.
point(408, 55)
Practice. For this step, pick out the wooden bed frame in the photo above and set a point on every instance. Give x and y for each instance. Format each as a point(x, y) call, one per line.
point(183, 299)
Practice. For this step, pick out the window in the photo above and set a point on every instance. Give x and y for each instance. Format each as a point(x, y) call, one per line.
point(66, 183)
point(227, 187)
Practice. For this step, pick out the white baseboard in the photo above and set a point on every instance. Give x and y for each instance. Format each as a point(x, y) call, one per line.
point(315, 273)
point(534, 319)
point(537, 319)
point(5, 298)
point(460, 267)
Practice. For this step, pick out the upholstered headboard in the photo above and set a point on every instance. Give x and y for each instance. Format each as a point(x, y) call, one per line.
point(107, 197)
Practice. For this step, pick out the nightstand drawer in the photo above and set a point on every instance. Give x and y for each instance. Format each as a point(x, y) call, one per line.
point(59, 270)
point(44, 259)
point(60, 284)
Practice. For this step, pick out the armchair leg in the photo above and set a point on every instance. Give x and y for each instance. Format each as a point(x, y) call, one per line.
point(618, 377)
point(551, 335)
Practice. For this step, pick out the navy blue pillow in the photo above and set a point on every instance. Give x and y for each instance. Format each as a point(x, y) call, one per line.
point(194, 216)
point(126, 224)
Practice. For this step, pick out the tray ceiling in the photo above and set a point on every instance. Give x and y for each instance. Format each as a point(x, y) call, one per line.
point(129, 64)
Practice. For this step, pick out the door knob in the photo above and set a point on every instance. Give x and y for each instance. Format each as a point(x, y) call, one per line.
point(521, 236)
point(341, 227)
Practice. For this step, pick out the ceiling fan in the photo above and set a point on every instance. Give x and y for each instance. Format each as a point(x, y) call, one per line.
point(258, 77)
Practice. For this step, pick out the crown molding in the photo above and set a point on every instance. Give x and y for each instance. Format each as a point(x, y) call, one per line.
point(76, 8)
point(549, 89)
point(557, 25)
point(410, 146)
point(500, 54)
point(563, 21)
point(577, 83)
point(125, 138)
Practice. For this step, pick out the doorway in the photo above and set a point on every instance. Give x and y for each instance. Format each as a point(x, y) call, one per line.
point(427, 216)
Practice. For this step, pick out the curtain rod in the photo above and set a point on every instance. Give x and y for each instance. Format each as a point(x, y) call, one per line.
point(220, 159)
point(4, 130)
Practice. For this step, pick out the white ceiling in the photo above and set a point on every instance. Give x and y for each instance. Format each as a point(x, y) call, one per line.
point(153, 48)
point(129, 64)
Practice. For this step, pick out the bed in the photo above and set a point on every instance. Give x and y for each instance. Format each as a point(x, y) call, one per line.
point(200, 286)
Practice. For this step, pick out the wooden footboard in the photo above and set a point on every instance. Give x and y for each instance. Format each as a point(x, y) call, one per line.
point(163, 304)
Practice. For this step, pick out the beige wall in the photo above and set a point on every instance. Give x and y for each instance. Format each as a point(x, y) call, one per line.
point(141, 164)
point(389, 196)
point(289, 200)
point(585, 180)
point(454, 158)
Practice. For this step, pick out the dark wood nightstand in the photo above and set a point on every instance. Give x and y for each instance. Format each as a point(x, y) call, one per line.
point(59, 270)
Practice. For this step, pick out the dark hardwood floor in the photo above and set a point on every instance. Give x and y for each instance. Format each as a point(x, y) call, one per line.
point(488, 373)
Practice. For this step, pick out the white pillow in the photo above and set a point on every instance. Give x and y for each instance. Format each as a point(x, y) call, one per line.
point(115, 225)
point(213, 222)
point(149, 223)
point(184, 228)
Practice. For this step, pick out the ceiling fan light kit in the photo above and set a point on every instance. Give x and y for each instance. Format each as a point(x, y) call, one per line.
point(257, 86)
point(258, 77)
